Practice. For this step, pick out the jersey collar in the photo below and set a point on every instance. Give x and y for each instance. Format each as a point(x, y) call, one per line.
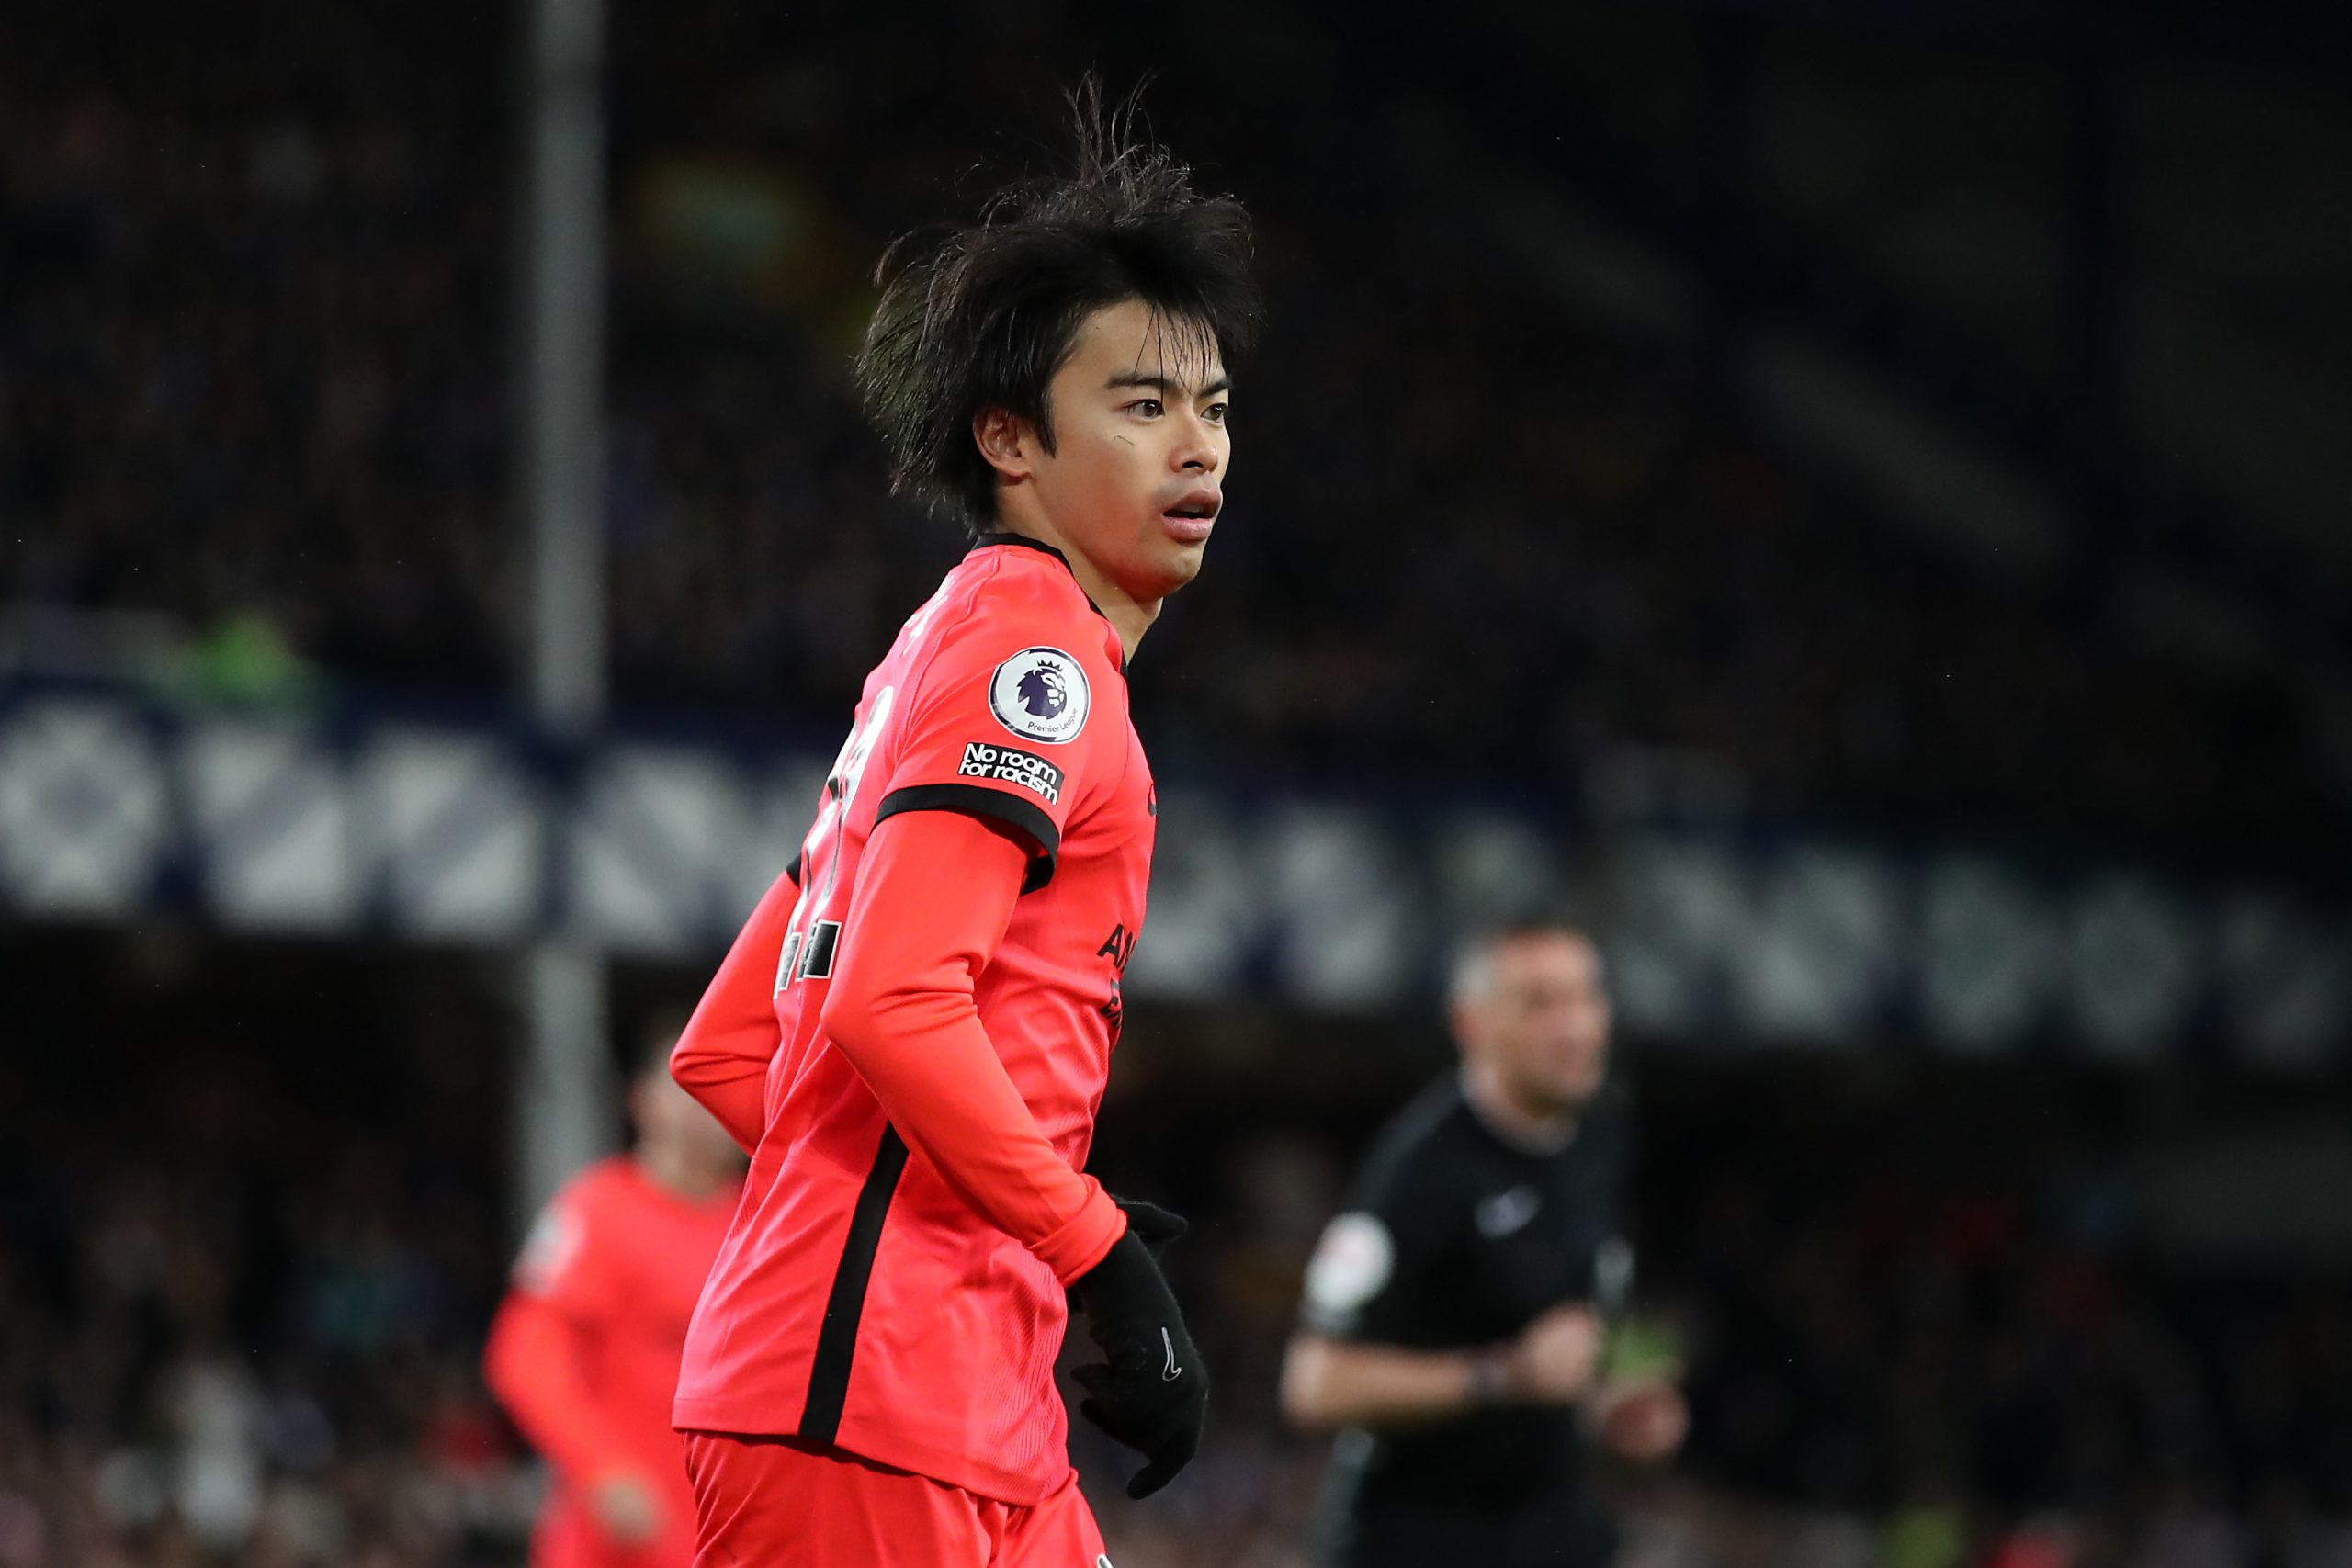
point(989, 540)
point(995, 538)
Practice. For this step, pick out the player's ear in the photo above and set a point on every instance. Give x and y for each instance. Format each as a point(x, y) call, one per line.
point(1461, 1016)
point(1006, 442)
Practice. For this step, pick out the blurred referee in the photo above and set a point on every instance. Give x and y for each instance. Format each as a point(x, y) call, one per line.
point(1453, 1323)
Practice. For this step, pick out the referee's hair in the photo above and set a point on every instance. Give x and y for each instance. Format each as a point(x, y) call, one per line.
point(980, 315)
point(1472, 970)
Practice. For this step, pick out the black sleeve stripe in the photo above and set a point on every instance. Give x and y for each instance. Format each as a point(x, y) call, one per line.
point(792, 871)
point(973, 800)
point(977, 800)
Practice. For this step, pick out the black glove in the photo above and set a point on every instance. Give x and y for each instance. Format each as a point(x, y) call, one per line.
point(1152, 1225)
point(1149, 1391)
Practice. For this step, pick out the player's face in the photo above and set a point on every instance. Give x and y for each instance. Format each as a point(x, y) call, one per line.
point(1135, 477)
point(1543, 1021)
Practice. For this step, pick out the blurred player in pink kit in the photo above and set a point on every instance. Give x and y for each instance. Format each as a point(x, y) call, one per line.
point(584, 1351)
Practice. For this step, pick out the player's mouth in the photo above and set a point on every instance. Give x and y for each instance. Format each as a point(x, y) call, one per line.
point(1190, 517)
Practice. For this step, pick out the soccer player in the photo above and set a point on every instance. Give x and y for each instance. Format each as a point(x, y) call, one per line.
point(912, 1032)
point(583, 1351)
point(1452, 1321)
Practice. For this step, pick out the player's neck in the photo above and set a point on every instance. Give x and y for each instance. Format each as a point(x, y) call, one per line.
point(680, 1174)
point(1129, 616)
point(1539, 1129)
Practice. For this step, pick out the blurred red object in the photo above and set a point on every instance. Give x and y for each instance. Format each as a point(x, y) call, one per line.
point(2035, 1546)
point(1646, 1423)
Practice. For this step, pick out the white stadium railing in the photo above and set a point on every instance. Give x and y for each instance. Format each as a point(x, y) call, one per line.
point(114, 808)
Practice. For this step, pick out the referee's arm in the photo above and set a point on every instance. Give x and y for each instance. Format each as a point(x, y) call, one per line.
point(1328, 1382)
point(1373, 1277)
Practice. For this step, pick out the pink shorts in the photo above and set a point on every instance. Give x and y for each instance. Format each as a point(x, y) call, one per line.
point(780, 1503)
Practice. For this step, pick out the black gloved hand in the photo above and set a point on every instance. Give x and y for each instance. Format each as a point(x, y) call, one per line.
point(1149, 1391)
point(1154, 1225)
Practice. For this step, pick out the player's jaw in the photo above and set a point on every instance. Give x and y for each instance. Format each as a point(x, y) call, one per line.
point(1572, 1069)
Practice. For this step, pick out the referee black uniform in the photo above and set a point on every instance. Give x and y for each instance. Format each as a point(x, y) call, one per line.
point(1456, 1239)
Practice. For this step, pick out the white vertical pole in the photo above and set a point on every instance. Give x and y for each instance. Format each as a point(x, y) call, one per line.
point(564, 1089)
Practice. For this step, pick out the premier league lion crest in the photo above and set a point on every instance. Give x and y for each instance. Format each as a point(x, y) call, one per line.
point(1040, 693)
point(1045, 694)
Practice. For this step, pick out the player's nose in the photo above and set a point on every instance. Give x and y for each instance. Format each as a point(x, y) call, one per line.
point(1197, 450)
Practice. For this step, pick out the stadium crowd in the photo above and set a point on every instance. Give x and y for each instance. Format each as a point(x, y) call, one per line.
point(253, 380)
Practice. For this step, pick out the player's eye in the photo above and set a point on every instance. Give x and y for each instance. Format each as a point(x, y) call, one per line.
point(1216, 413)
point(1150, 408)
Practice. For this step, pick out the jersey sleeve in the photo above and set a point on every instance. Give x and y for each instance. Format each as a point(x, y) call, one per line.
point(1004, 725)
point(559, 1262)
point(721, 1057)
point(900, 1008)
point(1376, 1257)
point(534, 1361)
point(561, 1297)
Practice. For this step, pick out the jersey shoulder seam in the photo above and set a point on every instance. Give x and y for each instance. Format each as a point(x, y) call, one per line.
point(921, 673)
point(971, 597)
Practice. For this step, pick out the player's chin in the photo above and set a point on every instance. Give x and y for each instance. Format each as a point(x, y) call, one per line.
point(1574, 1091)
point(1170, 564)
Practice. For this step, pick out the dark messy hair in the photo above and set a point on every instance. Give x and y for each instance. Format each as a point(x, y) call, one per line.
point(981, 315)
